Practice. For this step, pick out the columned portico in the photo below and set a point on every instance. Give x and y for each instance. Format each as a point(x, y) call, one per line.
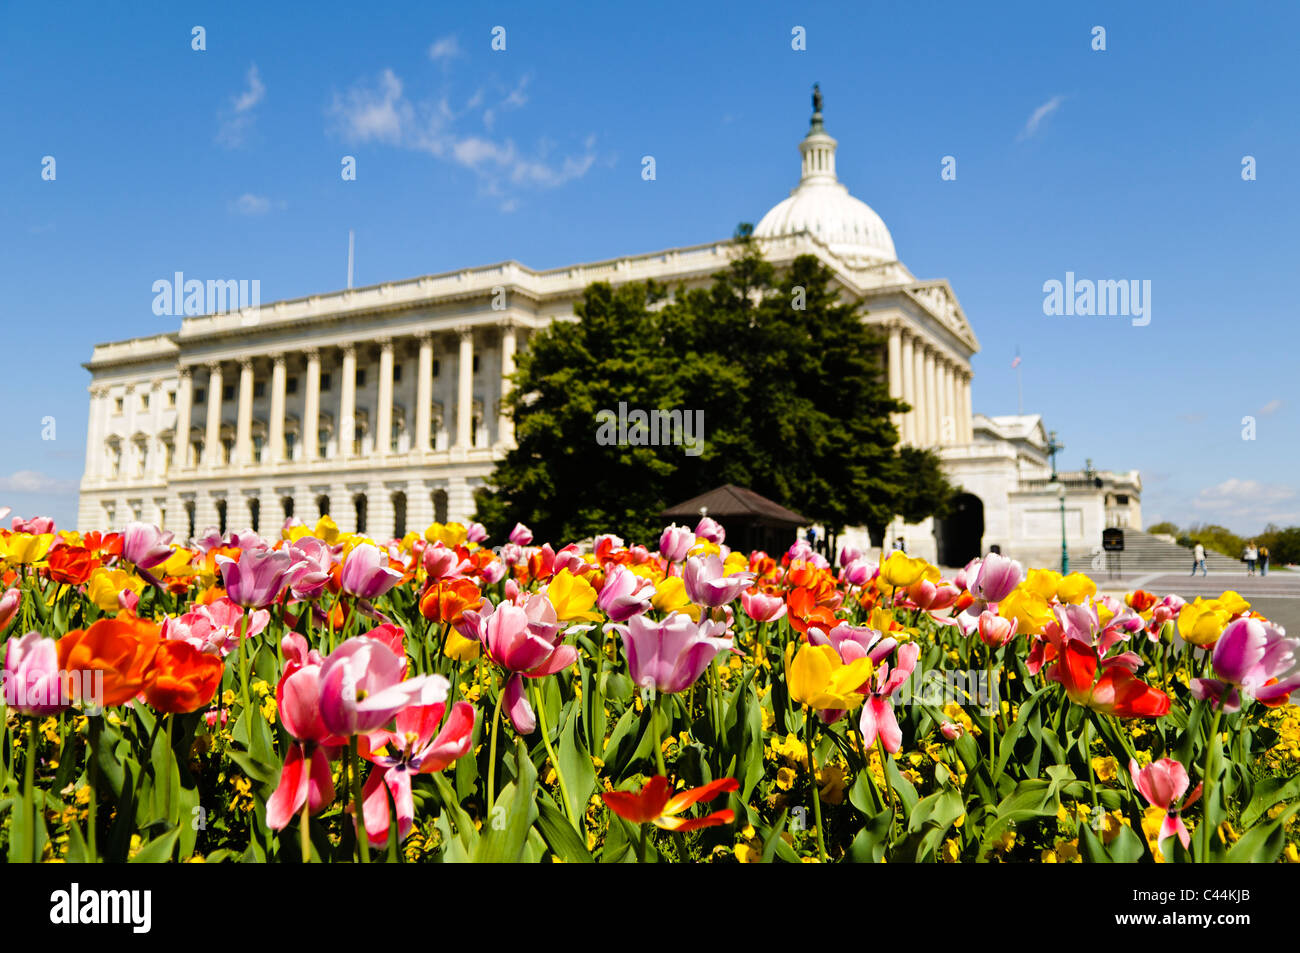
point(465, 390)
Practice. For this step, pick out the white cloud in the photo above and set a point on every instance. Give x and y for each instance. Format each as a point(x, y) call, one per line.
point(1038, 115)
point(250, 204)
point(1272, 407)
point(445, 49)
point(32, 481)
point(236, 122)
point(383, 113)
point(1247, 505)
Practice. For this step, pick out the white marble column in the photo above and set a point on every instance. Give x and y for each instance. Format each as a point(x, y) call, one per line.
point(383, 442)
point(94, 440)
point(931, 400)
point(941, 384)
point(968, 415)
point(950, 397)
point(506, 424)
point(465, 391)
point(896, 372)
point(909, 389)
point(419, 506)
point(311, 410)
point(184, 409)
point(918, 382)
point(275, 426)
point(423, 399)
point(212, 436)
point(347, 426)
point(244, 420)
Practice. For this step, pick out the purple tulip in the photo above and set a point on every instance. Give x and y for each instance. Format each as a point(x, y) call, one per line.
point(312, 560)
point(624, 594)
point(711, 530)
point(521, 535)
point(362, 688)
point(9, 603)
point(675, 542)
point(670, 655)
point(706, 584)
point(32, 685)
point(255, 579)
point(849, 554)
point(1248, 656)
point(476, 533)
point(997, 576)
point(366, 573)
point(145, 545)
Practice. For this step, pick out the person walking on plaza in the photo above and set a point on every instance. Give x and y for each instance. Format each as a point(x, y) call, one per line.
point(1251, 556)
point(1198, 559)
point(1263, 560)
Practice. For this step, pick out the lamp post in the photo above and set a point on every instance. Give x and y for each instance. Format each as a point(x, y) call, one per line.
point(1065, 552)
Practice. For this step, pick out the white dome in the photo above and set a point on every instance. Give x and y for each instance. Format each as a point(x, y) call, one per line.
point(821, 206)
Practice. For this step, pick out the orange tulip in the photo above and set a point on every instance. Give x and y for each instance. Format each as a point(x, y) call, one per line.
point(182, 679)
point(446, 601)
point(122, 648)
point(71, 565)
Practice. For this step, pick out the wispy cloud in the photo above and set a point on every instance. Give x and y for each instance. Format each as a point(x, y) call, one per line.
point(444, 50)
point(1247, 505)
point(250, 204)
point(1038, 115)
point(1272, 407)
point(33, 481)
point(238, 119)
point(1192, 418)
point(382, 112)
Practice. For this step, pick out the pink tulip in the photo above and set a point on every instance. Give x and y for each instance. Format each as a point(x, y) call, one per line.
point(878, 709)
point(670, 655)
point(998, 575)
point(966, 575)
point(849, 555)
point(410, 750)
point(570, 558)
point(145, 545)
point(996, 631)
point(493, 572)
point(9, 605)
point(255, 579)
point(952, 730)
point(526, 642)
point(312, 561)
point(674, 543)
point(305, 778)
point(762, 607)
point(859, 572)
point(931, 596)
point(1163, 783)
point(624, 594)
point(476, 533)
point(37, 525)
point(215, 628)
point(1254, 659)
point(521, 535)
point(362, 687)
point(706, 584)
point(710, 529)
point(366, 573)
point(32, 685)
point(441, 562)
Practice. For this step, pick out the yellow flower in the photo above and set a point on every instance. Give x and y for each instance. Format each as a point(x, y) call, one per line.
point(1075, 587)
point(1106, 769)
point(831, 784)
point(1202, 622)
point(1153, 818)
point(785, 778)
point(818, 677)
point(179, 563)
point(1232, 602)
point(460, 648)
point(326, 530)
point(901, 570)
point(1028, 608)
point(1291, 854)
point(449, 534)
point(881, 619)
point(670, 596)
point(703, 547)
point(104, 586)
point(572, 597)
point(1043, 583)
point(950, 853)
point(747, 855)
point(26, 547)
point(734, 563)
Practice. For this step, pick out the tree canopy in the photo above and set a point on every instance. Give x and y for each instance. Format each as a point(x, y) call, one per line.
point(788, 383)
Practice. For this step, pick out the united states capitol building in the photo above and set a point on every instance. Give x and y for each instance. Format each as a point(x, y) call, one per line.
point(383, 405)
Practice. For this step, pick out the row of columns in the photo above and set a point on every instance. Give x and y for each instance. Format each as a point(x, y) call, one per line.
point(936, 387)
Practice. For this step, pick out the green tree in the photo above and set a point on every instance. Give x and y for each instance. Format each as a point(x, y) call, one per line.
point(1164, 529)
point(788, 380)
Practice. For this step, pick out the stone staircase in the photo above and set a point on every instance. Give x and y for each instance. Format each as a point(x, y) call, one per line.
point(1146, 553)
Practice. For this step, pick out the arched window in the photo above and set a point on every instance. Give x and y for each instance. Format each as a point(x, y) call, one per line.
point(440, 506)
point(323, 505)
point(359, 502)
point(221, 517)
point(399, 514)
point(255, 513)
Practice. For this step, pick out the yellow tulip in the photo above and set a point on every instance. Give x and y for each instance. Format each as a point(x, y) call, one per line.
point(460, 648)
point(817, 677)
point(572, 597)
point(670, 596)
point(326, 530)
point(1202, 622)
point(1233, 603)
point(27, 548)
point(104, 585)
point(450, 535)
point(736, 562)
point(1028, 608)
point(179, 563)
point(1043, 582)
point(901, 570)
point(1075, 587)
point(704, 547)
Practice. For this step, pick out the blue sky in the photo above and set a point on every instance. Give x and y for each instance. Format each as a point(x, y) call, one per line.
point(226, 163)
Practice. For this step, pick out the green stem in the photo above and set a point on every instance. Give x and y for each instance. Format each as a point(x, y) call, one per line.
point(363, 839)
point(880, 743)
point(243, 663)
point(1208, 777)
point(812, 771)
point(1087, 756)
point(492, 753)
point(540, 702)
point(656, 710)
point(29, 800)
point(92, 783)
point(304, 832)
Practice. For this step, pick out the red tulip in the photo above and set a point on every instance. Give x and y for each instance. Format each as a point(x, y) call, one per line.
point(657, 805)
point(1117, 692)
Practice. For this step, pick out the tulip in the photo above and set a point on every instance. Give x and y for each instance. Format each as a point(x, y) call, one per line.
point(624, 594)
point(1255, 659)
point(1117, 692)
point(366, 573)
point(671, 655)
point(1163, 784)
point(762, 606)
point(1075, 588)
point(708, 586)
point(656, 804)
point(1201, 622)
point(145, 545)
point(998, 576)
point(878, 718)
point(362, 687)
point(994, 630)
point(675, 541)
point(71, 565)
point(305, 778)
point(710, 529)
point(817, 677)
point(447, 601)
point(1030, 611)
point(440, 562)
point(476, 533)
point(411, 750)
point(10, 602)
point(849, 555)
point(952, 730)
point(521, 535)
point(26, 548)
point(37, 525)
point(255, 579)
point(181, 679)
point(931, 596)
point(900, 570)
point(117, 650)
point(32, 684)
point(859, 572)
point(572, 596)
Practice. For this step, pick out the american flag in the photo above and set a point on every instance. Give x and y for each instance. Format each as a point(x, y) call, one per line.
point(1016, 362)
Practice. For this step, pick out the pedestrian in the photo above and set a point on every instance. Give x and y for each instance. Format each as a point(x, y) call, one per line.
point(1198, 559)
point(1251, 556)
point(900, 546)
point(1263, 560)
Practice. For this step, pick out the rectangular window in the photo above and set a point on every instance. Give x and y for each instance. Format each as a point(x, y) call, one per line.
point(324, 382)
point(228, 392)
point(397, 372)
point(118, 403)
point(171, 398)
point(200, 395)
point(437, 367)
point(1122, 499)
point(361, 377)
point(259, 389)
point(291, 385)
point(475, 363)
point(144, 401)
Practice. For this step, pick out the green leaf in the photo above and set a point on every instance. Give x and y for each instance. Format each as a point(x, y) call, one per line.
point(1263, 843)
point(1268, 792)
point(560, 836)
point(159, 849)
point(511, 817)
point(869, 845)
point(576, 766)
point(465, 833)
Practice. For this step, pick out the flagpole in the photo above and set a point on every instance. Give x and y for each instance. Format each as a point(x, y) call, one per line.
point(1020, 384)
